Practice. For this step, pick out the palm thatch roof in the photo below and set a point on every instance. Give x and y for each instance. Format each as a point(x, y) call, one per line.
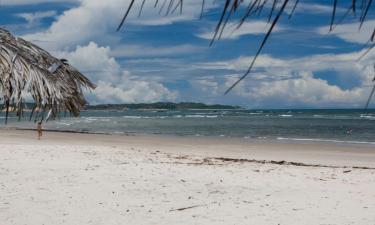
point(241, 11)
point(27, 71)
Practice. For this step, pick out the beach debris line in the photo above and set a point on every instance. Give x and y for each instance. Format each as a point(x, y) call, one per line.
point(185, 208)
point(283, 162)
point(29, 72)
point(221, 161)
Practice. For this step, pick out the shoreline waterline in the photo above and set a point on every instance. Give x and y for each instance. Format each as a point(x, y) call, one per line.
point(280, 140)
point(349, 126)
point(324, 153)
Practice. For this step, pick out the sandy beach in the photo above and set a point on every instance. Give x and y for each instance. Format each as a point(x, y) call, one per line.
point(68, 178)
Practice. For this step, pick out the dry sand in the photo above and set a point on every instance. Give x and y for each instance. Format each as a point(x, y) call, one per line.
point(101, 179)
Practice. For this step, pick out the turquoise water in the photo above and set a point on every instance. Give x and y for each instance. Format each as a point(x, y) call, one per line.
point(319, 125)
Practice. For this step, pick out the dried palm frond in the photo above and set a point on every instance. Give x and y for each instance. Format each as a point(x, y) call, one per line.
point(28, 70)
point(254, 8)
point(371, 93)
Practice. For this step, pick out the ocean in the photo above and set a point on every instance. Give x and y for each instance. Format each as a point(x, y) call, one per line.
point(324, 125)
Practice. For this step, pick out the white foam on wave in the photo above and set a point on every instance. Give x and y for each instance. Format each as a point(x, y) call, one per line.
point(132, 117)
point(145, 117)
point(63, 123)
point(201, 116)
point(9, 117)
point(286, 115)
point(370, 117)
point(93, 119)
point(325, 140)
point(194, 116)
point(90, 118)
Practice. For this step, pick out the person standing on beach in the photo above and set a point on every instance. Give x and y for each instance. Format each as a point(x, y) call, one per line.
point(39, 130)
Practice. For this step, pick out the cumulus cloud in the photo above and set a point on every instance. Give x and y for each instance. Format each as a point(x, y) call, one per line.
point(94, 60)
point(303, 91)
point(97, 20)
point(132, 91)
point(115, 85)
point(293, 82)
point(88, 21)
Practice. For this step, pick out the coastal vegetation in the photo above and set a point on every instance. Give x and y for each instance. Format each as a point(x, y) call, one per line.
point(160, 105)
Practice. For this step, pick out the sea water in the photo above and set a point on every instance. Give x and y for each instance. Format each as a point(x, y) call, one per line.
point(345, 125)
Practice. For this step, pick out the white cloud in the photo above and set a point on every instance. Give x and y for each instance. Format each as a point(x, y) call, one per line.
point(95, 61)
point(115, 85)
point(32, 2)
point(345, 64)
point(292, 82)
point(98, 20)
point(132, 91)
point(147, 51)
point(276, 82)
point(231, 31)
point(349, 31)
point(208, 86)
point(90, 20)
point(303, 91)
point(303, 6)
point(35, 18)
point(316, 8)
point(153, 16)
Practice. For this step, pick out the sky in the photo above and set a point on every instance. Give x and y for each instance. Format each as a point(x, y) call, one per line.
point(168, 58)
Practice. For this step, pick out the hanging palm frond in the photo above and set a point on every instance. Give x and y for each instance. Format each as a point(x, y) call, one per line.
point(26, 70)
point(254, 8)
point(371, 93)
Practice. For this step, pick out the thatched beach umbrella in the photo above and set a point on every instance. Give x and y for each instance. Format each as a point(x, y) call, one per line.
point(29, 72)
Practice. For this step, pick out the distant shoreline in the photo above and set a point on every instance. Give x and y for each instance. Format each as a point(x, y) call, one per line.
point(161, 106)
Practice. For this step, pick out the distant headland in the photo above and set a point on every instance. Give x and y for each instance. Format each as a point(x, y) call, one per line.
point(160, 106)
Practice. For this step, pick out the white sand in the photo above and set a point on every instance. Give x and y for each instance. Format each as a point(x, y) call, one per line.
point(99, 179)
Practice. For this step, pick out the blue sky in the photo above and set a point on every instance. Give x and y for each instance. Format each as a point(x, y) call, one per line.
point(168, 58)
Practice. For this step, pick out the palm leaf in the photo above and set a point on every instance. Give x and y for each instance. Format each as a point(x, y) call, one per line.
point(26, 69)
